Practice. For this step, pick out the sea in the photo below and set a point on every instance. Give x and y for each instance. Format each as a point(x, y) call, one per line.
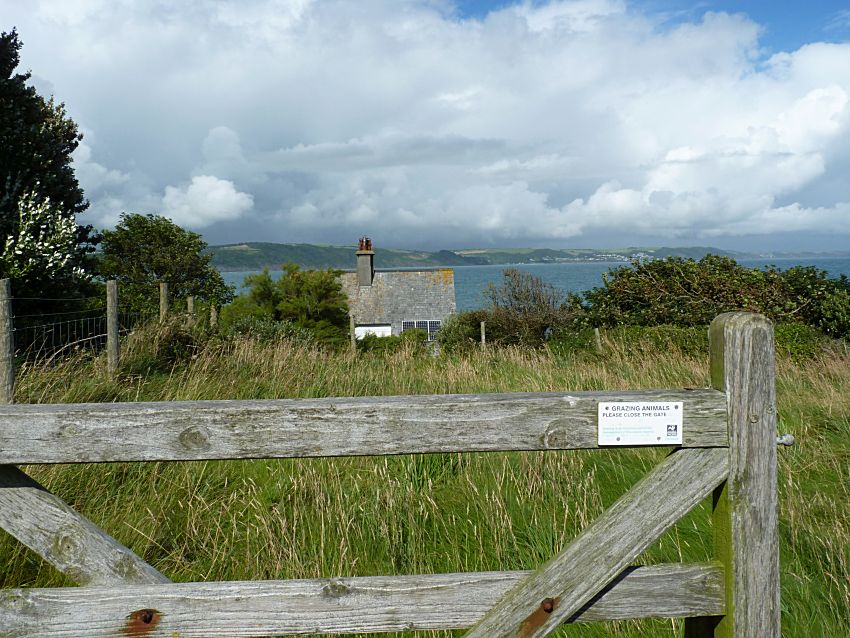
point(472, 281)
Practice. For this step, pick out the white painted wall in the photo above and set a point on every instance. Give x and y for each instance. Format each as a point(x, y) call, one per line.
point(378, 331)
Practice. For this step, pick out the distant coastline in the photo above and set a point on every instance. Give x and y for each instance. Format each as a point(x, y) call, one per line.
point(250, 256)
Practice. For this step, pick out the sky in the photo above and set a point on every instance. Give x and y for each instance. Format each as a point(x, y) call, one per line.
point(457, 124)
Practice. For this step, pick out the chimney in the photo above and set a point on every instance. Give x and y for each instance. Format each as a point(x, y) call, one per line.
point(365, 262)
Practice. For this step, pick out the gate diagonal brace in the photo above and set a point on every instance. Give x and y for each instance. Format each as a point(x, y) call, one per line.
point(70, 542)
point(562, 586)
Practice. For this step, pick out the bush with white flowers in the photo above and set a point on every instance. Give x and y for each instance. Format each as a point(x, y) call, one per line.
point(43, 243)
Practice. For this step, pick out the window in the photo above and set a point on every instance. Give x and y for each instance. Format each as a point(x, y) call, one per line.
point(430, 326)
point(379, 330)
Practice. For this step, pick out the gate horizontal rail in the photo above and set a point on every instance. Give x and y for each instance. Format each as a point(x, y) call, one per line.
point(206, 430)
point(341, 605)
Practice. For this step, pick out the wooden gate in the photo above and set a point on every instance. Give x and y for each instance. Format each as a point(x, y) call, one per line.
point(728, 450)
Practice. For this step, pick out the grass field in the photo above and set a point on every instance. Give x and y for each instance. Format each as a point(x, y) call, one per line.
point(438, 513)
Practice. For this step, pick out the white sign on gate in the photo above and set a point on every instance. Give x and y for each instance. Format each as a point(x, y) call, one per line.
point(640, 422)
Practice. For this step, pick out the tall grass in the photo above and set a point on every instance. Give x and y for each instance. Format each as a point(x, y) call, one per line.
point(436, 513)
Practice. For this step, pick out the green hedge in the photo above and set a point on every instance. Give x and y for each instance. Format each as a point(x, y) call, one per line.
point(685, 292)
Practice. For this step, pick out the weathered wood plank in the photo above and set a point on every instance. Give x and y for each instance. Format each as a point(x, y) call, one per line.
point(7, 344)
point(112, 345)
point(345, 605)
point(195, 430)
point(67, 540)
point(563, 585)
point(163, 300)
point(746, 507)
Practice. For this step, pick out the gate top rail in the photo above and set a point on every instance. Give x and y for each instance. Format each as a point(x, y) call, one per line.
point(284, 428)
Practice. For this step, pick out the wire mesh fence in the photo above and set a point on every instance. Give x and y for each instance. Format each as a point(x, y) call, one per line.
point(46, 336)
point(74, 326)
point(52, 337)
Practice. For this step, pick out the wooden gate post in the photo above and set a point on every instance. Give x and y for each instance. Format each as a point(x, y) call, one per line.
point(7, 344)
point(745, 517)
point(112, 326)
point(190, 310)
point(163, 300)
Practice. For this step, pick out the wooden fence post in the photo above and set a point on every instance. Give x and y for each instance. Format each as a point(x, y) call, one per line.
point(213, 315)
point(483, 336)
point(598, 338)
point(190, 310)
point(112, 326)
point(163, 300)
point(352, 334)
point(7, 344)
point(745, 516)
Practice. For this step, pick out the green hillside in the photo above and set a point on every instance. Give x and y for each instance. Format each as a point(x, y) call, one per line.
point(259, 255)
point(552, 255)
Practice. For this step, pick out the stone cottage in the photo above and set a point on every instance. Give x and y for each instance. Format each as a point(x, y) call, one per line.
point(388, 302)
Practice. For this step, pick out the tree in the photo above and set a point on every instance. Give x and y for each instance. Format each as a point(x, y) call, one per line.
point(145, 250)
point(522, 310)
point(309, 299)
point(37, 139)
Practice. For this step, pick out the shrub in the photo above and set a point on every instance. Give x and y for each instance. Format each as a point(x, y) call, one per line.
point(691, 341)
point(798, 340)
point(267, 330)
point(523, 310)
point(684, 292)
point(462, 331)
point(411, 340)
point(834, 316)
point(310, 299)
point(572, 341)
point(159, 346)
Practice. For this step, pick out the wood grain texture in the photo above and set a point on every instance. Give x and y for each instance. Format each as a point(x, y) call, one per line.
point(112, 346)
point(746, 507)
point(343, 605)
point(563, 585)
point(195, 430)
point(7, 344)
point(163, 300)
point(70, 542)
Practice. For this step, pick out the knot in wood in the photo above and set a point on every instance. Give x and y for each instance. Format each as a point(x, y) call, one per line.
point(335, 589)
point(65, 545)
point(552, 437)
point(195, 438)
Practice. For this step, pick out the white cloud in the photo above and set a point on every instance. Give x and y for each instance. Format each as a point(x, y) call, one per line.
point(322, 120)
point(95, 177)
point(205, 201)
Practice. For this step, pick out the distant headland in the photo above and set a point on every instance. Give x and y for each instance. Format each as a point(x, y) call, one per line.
point(258, 255)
